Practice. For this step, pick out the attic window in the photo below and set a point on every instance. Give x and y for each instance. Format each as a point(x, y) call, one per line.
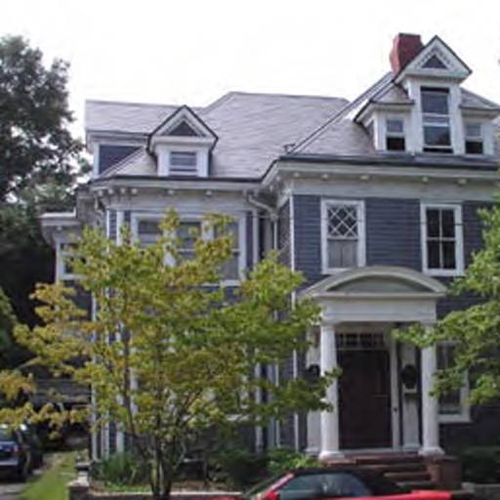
point(183, 163)
point(395, 135)
point(473, 139)
point(434, 63)
point(436, 120)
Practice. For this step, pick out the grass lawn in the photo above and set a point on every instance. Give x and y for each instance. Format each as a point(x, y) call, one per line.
point(51, 485)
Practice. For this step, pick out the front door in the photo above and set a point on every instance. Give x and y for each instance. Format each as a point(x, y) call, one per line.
point(364, 399)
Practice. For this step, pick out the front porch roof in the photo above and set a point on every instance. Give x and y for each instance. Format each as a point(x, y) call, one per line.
point(376, 281)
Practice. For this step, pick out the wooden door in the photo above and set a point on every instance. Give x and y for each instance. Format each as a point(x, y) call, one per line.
point(364, 399)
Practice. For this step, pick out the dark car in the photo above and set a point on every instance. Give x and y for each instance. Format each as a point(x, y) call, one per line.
point(15, 454)
point(325, 483)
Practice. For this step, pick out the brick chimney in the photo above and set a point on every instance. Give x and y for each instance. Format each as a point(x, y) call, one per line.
point(404, 48)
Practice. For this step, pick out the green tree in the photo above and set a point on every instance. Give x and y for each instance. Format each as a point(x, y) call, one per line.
point(39, 164)
point(475, 331)
point(171, 352)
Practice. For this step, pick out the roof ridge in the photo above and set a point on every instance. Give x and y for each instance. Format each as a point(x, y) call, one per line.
point(132, 103)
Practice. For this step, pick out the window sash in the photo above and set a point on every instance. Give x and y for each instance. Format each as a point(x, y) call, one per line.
point(342, 233)
point(436, 120)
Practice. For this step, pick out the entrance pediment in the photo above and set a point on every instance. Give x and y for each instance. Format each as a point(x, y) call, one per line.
point(380, 280)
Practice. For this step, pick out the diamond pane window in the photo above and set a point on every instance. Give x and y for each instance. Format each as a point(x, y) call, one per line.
point(342, 235)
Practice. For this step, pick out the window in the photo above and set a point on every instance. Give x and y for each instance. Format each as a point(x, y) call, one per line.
point(442, 238)
point(148, 232)
point(188, 232)
point(328, 484)
point(473, 139)
point(183, 163)
point(436, 120)
point(395, 135)
point(343, 235)
point(231, 268)
point(453, 406)
point(66, 258)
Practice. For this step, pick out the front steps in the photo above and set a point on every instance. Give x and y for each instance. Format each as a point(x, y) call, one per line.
point(406, 469)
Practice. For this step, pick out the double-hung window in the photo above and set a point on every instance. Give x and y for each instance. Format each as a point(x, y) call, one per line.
point(453, 405)
point(148, 231)
point(394, 134)
point(343, 235)
point(473, 139)
point(436, 120)
point(183, 163)
point(187, 233)
point(66, 258)
point(231, 268)
point(442, 242)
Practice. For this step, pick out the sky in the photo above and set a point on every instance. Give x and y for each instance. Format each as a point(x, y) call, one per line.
point(193, 51)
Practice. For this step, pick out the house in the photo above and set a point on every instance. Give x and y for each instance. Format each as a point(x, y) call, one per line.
point(375, 201)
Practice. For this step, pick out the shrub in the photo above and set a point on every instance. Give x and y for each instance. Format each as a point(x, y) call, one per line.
point(121, 468)
point(283, 459)
point(481, 464)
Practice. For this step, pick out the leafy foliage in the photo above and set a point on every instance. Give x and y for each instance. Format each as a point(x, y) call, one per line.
point(171, 352)
point(36, 147)
point(476, 330)
point(121, 468)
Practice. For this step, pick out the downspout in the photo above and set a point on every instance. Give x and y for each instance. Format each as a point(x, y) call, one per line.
point(273, 218)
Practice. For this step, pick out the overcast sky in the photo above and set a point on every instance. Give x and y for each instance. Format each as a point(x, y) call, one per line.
point(181, 51)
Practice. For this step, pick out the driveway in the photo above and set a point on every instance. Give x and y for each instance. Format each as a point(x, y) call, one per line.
point(10, 491)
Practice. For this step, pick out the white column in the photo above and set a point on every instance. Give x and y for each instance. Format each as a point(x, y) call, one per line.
point(430, 408)
point(330, 442)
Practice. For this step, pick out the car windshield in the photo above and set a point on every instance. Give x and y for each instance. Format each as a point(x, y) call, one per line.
point(5, 434)
point(255, 491)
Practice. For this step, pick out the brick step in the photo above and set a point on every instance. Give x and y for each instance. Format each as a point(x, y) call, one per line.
point(397, 467)
point(408, 477)
point(418, 485)
point(387, 459)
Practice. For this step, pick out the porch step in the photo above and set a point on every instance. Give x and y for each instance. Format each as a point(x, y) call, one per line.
point(408, 477)
point(406, 469)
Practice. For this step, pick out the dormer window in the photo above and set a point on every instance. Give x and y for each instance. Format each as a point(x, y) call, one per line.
point(395, 134)
point(436, 120)
point(473, 139)
point(183, 163)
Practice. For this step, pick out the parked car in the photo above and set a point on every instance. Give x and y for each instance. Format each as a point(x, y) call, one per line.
point(326, 483)
point(15, 454)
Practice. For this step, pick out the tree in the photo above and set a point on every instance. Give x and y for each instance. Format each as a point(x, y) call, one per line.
point(36, 147)
point(39, 164)
point(475, 331)
point(171, 352)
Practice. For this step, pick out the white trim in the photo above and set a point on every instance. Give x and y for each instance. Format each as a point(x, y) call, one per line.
point(361, 245)
point(459, 242)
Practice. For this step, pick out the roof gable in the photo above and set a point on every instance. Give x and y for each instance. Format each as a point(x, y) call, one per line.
point(435, 60)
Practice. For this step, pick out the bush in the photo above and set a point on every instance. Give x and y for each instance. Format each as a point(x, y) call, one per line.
point(283, 459)
point(121, 468)
point(481, 464)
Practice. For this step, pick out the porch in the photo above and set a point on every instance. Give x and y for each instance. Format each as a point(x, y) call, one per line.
point(382, 402)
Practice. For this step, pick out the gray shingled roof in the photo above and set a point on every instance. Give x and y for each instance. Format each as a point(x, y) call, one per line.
point(252, 128)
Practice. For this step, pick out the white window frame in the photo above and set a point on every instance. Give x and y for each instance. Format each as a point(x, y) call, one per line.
point(239, 219)
point(459, 240)
point(361, 247)
point(434, 120)
point(61, 274)
point(396, 135)
point(193, 172)
point(479, 138)
point(464, 415)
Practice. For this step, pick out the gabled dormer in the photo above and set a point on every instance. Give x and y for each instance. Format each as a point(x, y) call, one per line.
point(424, 109)
point(182, 144)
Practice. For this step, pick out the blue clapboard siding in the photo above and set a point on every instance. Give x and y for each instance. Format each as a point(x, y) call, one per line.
point(307, 224)
point(284, 234)
point(110, 155)
point(249, 239)
point(393, 233)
